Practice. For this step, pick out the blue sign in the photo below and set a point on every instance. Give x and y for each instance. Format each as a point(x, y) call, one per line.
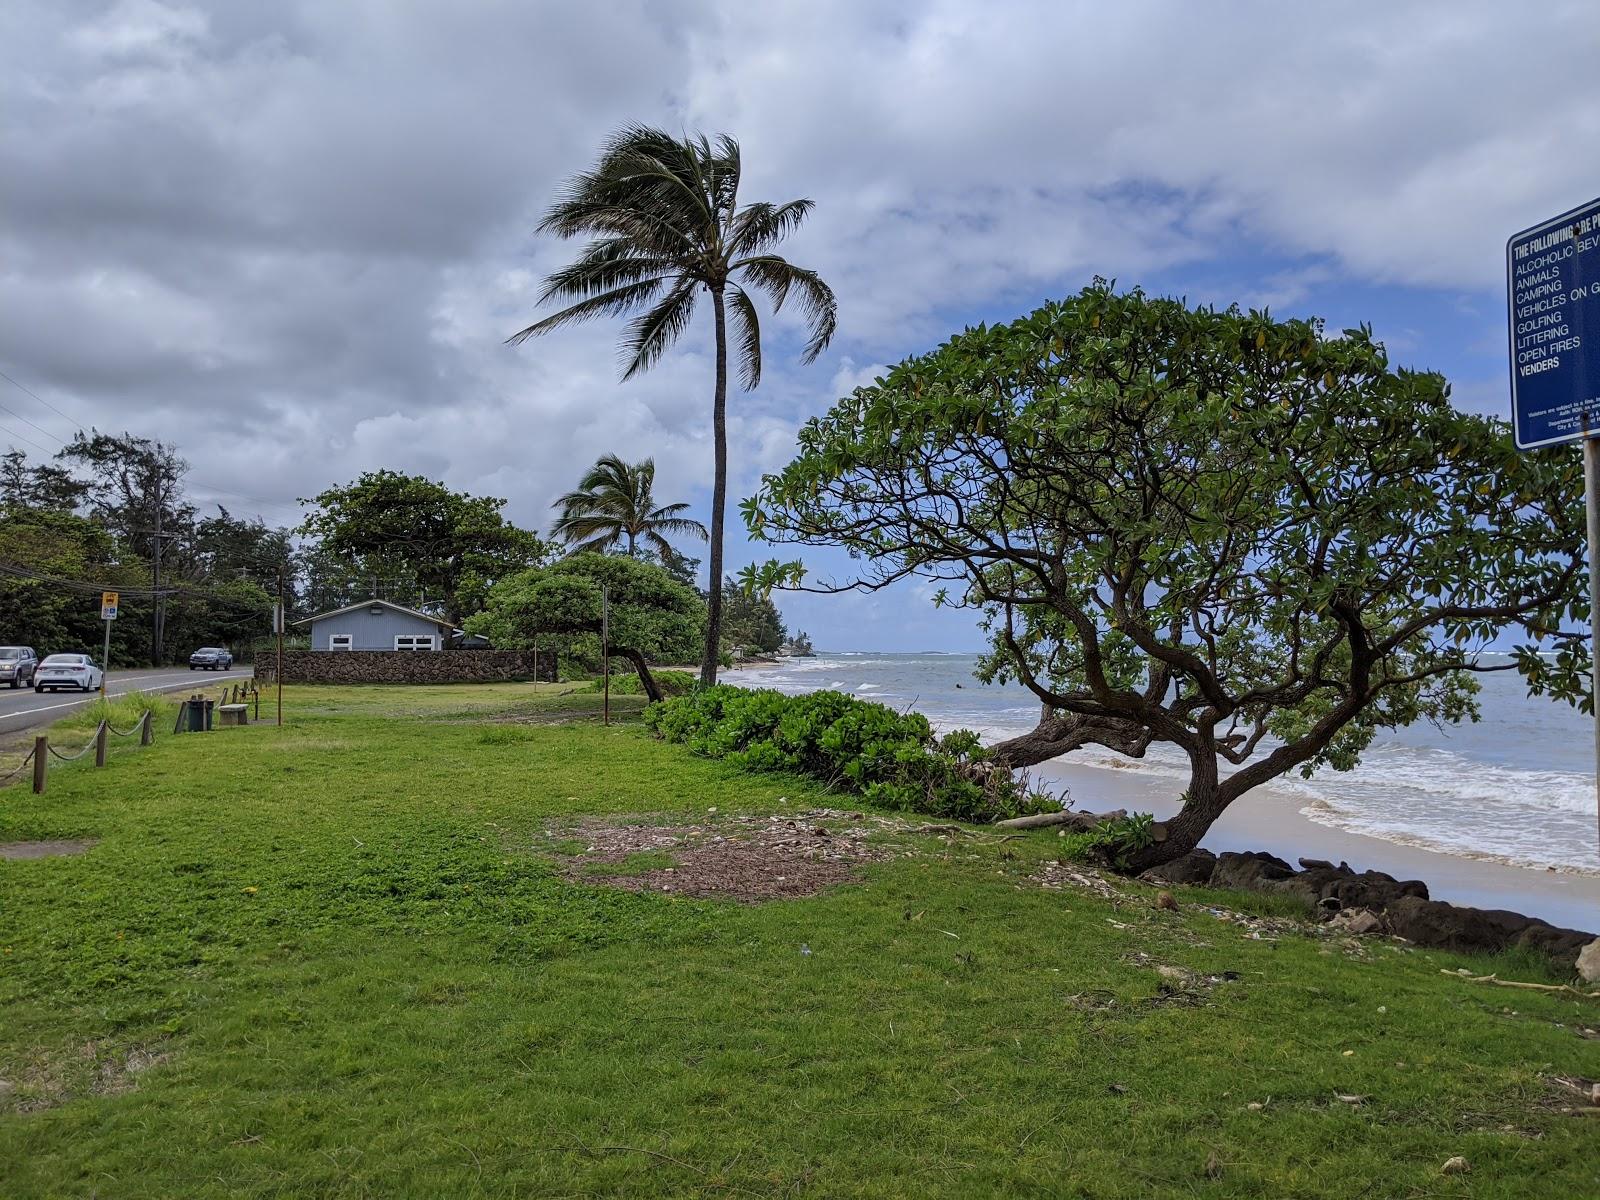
point(1553, 288)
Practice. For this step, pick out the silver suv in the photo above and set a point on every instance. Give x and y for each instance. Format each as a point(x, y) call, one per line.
point(210, 658)
point(17, 665)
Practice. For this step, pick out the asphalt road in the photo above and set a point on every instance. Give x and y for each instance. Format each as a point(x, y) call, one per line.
point(24, 708)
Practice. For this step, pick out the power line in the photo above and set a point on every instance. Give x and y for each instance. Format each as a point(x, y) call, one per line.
point(88, 587)
point(29, 441)
point(79, 427)
point(34, 424)
point(75, 423)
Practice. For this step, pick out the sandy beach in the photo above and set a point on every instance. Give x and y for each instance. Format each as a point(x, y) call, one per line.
point(1264, 820)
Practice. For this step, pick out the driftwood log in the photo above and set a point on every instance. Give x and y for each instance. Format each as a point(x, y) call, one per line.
point(1083, 822)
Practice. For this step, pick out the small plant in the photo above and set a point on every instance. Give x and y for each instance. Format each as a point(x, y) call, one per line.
point(123, 712)
point(1114, 842)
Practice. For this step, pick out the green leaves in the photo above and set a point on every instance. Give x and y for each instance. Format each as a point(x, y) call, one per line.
point(1218, 524)
point(758, 579)
point(649, 610)
point(450, 541)
point(665, 223)
point(891, 758)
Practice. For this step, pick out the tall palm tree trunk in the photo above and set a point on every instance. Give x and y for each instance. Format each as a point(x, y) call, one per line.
point(719, 495)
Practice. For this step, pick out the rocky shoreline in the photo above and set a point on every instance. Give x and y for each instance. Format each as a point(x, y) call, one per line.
point(1374, 902)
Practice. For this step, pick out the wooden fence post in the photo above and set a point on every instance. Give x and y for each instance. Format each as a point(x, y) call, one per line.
point(146, 730)
point(41, 762)
point(100, 744)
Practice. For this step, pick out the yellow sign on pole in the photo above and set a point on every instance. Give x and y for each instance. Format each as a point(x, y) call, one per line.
point(108, 606)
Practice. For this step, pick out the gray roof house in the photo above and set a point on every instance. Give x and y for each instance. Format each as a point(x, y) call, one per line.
point(379, 625)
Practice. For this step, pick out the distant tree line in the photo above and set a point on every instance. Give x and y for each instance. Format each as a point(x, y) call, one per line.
point(111, 511)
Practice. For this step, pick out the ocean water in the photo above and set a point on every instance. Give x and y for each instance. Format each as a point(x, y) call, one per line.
point(1515, 787)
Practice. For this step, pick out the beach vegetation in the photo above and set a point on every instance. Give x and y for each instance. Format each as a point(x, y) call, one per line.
point(647, 615)
point(669, 683)
point(751, 621)
point(378, 952)
point(1251, 539)
point(889, 758)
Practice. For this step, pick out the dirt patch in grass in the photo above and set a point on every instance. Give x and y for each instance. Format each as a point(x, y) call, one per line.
point(46, 849)
point(1571, 1094)
point(94, 1068)
point(749, 859)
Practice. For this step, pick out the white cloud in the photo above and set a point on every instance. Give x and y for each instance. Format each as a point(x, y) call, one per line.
point(293, 237)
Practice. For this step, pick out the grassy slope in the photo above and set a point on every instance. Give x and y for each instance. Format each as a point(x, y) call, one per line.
point(413, 1003)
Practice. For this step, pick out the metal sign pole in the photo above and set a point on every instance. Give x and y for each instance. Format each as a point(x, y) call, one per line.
point(108, 614)
point(605, 653)
point(279, 618)
point(1552, 334)
point(1591, 505)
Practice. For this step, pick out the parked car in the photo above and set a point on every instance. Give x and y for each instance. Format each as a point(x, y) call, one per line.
point(210, 658)
point(17, 665)
point(68, 671)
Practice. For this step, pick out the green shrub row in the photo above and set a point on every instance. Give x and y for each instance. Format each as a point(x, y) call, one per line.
point(888, 758)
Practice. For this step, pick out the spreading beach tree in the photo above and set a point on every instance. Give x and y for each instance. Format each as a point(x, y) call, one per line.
point(650, 615)
point(1246, 538)
point(665, 228)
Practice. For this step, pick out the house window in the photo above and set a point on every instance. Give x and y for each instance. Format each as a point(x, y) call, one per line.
point(415, 642)
point(341, 641)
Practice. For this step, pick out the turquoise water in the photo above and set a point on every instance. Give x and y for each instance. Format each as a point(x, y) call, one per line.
point(1516, 787)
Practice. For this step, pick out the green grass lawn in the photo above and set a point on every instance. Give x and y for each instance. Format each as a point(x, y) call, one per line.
point(340, 959)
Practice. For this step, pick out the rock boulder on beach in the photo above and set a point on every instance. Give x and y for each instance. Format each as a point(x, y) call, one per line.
point(1589, 962)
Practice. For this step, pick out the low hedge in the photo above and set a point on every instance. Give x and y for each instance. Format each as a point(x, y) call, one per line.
point(889, 758)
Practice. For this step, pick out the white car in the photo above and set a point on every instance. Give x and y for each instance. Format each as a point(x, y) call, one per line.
point(68, 671)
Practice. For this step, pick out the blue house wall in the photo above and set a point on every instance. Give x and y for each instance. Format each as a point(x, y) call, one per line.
point(375, 631)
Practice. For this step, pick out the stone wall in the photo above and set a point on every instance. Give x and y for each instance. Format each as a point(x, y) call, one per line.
point(408, 666)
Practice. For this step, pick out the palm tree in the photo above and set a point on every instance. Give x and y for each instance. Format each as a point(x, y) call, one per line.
point(664, 223)
point(615, 501)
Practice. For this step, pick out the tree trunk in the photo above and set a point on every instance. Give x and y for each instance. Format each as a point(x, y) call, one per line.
point(1056, 736)
point(719, 495)
point(646, 680)
point(1203, 804)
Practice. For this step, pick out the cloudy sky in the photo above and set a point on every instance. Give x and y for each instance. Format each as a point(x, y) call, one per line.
point(291, 238)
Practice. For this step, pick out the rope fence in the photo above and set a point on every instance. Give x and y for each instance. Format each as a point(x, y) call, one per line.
point(19, 768)
point(78, 755)
point(41, 754)
point(237, 700)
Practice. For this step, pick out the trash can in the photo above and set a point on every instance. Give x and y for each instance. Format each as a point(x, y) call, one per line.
point(198, 713)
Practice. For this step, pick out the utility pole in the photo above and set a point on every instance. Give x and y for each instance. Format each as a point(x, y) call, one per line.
point(159, 612)
point(280, 618)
